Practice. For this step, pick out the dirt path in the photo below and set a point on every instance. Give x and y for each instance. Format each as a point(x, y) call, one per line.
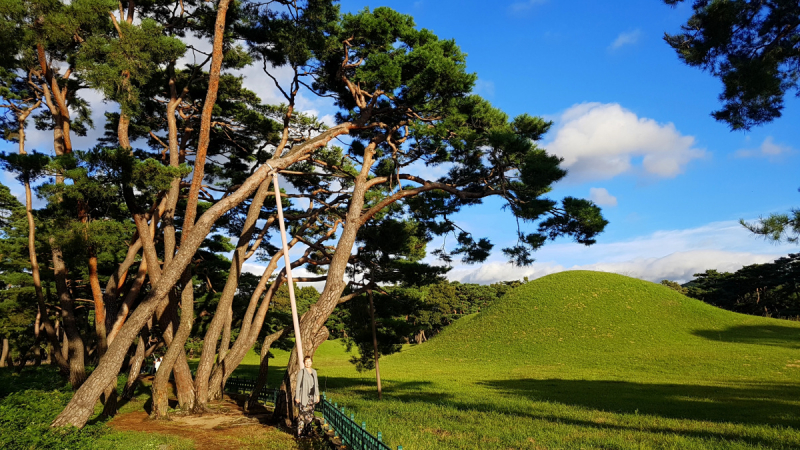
point(227, 428)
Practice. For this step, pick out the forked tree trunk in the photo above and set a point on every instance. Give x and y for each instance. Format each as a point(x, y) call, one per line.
point(313, 320)
point(209, 348)
point(204, 368)
point(184, 385)
point(175, 350)
point(79, 409)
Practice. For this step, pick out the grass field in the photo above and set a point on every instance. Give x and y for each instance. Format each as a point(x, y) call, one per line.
point(582, 360)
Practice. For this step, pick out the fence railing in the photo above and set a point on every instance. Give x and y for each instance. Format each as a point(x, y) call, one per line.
point(246, 386)
point(351, 434)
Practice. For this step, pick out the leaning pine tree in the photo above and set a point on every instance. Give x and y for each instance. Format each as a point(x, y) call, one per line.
point(405, 103)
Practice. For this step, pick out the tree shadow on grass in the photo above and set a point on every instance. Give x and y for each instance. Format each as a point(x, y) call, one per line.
point(773, 404)
point(773, 335)
point(756, 404)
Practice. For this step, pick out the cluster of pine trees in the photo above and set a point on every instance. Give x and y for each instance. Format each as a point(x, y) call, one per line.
point(138, 241)
point(771, 289)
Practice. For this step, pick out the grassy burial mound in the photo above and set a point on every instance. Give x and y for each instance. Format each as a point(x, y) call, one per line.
point(612, 326)
point(587, 360)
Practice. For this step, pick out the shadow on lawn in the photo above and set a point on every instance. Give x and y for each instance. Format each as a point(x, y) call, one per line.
point(754, 404)
point(761, 403)
point(774, 335)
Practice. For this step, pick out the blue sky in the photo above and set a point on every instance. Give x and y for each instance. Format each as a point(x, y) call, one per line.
point(632, 122)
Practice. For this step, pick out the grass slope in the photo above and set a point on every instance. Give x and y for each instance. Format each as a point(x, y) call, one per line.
point(585, 360)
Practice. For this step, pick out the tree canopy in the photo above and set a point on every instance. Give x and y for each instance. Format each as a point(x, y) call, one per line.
point(183, 174)
point(753, 47)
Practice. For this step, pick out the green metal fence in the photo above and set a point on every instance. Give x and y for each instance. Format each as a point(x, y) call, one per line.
point(353, 436)
point(246, 386)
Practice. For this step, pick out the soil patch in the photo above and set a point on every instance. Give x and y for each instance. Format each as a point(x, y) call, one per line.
point(226, 427)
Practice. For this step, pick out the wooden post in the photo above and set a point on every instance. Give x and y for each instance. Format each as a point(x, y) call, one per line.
point(375, 344)
point(288, 263)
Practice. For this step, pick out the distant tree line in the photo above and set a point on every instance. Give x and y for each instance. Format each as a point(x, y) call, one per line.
point(771, 289)
point(403, 315)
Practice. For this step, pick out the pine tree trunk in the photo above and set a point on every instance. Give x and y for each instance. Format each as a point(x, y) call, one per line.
point(251, 327)
point(314, 319)
point(4, 354)
point(204, 368)
point(109, 399)
point(184, 385)
point(133, 374)
point(75, 348)
point(49, 329)
point(175, 350)
point(79, 409)
point(225, 342)
point(99, 304)
point(37, 347)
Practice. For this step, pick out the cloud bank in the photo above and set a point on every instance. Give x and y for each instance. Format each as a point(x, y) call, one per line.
point(670, 254)
point(601, 141)
point(768, 149)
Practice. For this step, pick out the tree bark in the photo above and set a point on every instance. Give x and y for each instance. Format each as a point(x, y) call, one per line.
point(226, 299)
point(50, 331)
point(4, 354)
point(225, 342)
point(136, 367)
point(99, 304)
point(314, 319)
point(175, 350)
point(168, 322)
point(79, 409)
point(130, 298)
point(57, 104)
point(205, 117)
point(75, 347)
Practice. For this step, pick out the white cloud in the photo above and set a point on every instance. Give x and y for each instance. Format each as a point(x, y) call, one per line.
point(525, 5)
point(600, 141)
point(602, 197)
point(768, 149)
point(484, 88)
point(669, 254)
point(627, 38)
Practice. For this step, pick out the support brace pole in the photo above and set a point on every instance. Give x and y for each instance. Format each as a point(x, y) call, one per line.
point(288, 263)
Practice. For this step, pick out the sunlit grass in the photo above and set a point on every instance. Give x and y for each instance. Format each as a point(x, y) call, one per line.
point(582, 360)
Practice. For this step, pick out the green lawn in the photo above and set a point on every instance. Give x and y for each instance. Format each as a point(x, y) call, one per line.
point(582, 360)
